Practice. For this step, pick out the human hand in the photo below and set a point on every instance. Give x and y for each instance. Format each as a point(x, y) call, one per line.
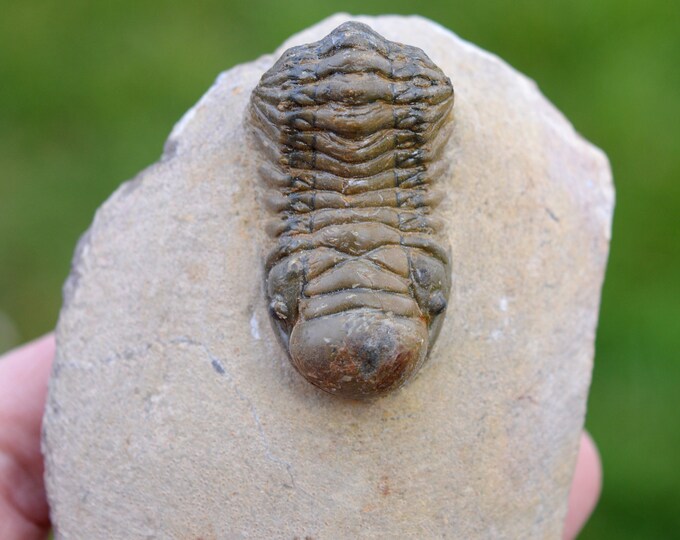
point(24, 513)
point(585, 488)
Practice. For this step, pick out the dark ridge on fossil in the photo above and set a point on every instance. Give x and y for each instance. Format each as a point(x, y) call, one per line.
point(351, 129)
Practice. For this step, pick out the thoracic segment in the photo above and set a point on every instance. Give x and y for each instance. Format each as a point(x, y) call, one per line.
point(351, 129)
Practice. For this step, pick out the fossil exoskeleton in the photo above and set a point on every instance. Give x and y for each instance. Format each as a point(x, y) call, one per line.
point(351, 129)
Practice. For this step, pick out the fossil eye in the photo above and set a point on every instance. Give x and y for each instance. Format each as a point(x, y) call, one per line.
point(278, 308)
point(437, 303)
point(350, 126)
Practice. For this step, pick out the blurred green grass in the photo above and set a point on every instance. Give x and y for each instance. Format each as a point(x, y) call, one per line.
point(90, 90)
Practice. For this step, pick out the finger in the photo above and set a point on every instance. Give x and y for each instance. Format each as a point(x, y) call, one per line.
point(23, 387)
point(585, 487)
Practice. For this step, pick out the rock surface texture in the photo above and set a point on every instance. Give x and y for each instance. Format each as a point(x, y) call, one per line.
point(174, 413)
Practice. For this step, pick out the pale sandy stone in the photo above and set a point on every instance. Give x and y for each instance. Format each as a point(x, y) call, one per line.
point(173, 412)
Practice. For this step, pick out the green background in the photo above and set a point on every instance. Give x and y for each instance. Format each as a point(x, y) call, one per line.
point(89, 90)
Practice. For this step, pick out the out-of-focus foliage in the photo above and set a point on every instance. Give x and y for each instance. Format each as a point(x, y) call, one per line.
point(89, 91)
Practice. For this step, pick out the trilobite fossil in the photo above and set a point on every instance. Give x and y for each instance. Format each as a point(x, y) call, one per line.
point(351, 129)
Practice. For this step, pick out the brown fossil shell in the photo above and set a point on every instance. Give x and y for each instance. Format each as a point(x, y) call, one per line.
point(351, 129)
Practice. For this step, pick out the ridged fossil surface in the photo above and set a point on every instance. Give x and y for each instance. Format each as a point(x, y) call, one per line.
point(351, 129)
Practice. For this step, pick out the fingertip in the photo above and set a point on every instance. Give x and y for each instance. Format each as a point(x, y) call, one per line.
point(585, 489)
point(24, 373)
point(40, 349)
point(44, 345)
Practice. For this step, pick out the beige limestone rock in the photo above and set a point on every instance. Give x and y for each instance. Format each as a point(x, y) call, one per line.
point(174, 413)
